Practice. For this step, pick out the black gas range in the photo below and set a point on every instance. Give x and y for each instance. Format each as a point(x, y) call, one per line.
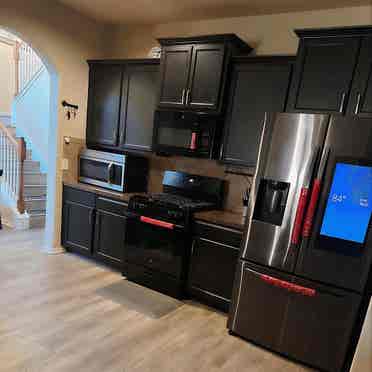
point(159, 237)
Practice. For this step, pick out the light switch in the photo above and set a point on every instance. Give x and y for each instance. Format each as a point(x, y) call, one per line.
point(64, 165)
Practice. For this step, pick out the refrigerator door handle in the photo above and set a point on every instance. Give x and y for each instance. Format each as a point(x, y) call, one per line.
point(302, 203)
point(295, 239)
point(311, 209)
point(290, 287)
point(315, 193)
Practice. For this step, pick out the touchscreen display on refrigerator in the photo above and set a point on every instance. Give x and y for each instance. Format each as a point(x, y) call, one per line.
point(349, 205)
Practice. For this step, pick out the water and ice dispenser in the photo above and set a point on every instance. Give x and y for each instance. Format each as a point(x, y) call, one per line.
point(271, 201)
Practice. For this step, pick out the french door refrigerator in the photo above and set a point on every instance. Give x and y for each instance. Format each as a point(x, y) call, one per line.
point(304, 271)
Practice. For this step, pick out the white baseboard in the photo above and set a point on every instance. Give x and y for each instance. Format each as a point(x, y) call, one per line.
point(12, 219)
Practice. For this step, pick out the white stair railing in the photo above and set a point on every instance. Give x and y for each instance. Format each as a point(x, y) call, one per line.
point(12, 157)
point(28, 64)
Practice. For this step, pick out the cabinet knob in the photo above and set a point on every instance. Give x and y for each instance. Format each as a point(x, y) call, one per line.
point(356, 111)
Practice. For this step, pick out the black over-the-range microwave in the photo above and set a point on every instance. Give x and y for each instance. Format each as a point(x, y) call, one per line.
point(187, 134)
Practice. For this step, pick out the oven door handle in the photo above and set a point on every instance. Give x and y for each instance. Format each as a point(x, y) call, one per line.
point(153, 221)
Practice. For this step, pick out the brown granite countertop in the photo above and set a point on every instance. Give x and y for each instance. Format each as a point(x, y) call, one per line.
point(101, 191)
point(222, 218)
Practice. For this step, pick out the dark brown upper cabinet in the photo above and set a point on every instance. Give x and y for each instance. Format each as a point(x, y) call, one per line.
point(105, 85)
point(258, 85)
point(361, 92)
point(122, 99)
point(175, 68)
point(330, 68)
point(139, 100)
point(194, 71)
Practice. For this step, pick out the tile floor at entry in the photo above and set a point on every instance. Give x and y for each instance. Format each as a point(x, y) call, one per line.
point(55, 317)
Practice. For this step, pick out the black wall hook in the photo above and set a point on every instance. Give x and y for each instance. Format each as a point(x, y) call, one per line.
point(70, 105)
point(71, 110)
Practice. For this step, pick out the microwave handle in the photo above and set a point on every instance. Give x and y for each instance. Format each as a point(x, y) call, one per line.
point(110, 169)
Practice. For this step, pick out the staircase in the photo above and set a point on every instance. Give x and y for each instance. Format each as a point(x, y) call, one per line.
point(23, 187)
point(34, 188)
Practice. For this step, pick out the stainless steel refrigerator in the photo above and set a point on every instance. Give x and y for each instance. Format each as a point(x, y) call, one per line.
point(305, 268)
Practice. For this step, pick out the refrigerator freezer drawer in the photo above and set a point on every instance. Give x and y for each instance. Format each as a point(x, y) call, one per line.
point(318, 329)
point(308, 322)
point(258, 311)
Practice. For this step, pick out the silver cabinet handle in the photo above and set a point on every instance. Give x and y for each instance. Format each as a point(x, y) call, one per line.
point(356, 112)
point(91, 216)
point(341, 110)
point(109, 169)
point(188, 96)
point(193, 247)
point(222, 148)
point(183, 96)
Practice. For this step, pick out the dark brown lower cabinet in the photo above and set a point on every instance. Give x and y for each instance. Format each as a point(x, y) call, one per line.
point(110, 231)
point(306, 321)
point(94, 226)
point(78, 220)
point(212, 265)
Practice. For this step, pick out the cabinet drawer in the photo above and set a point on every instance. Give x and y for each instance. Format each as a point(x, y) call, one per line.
point(113, 206)
point(212, 271)
point(218, 234)
point(79, 196)
point(155, 280)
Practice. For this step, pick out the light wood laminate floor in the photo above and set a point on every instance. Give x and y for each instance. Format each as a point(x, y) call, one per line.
point(53, 319)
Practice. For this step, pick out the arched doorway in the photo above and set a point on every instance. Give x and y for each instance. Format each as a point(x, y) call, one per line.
point(52, 143)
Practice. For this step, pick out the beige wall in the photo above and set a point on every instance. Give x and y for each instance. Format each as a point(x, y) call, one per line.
point(66, 39)
point(6, 77)
point(269, 34)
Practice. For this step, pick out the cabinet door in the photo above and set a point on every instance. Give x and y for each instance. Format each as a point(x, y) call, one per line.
point(139, 100)
point(204, 90)
point(212, 268)
point(323, 74)
point(105, 83)
point(110, 237)
point(318, 327)
point(175, 67)
point(361, 94)
point(256, 88)
point(78, 222)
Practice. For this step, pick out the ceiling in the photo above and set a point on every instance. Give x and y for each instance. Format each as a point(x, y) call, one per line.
point(163, 11)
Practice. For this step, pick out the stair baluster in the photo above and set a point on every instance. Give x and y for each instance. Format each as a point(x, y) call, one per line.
point(12, 157)
point(28, 64)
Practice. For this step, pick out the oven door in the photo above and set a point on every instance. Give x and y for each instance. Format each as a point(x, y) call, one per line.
point(156, 245)
point(101, 173)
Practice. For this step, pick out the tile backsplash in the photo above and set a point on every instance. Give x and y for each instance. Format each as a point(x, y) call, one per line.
point(236, 183)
